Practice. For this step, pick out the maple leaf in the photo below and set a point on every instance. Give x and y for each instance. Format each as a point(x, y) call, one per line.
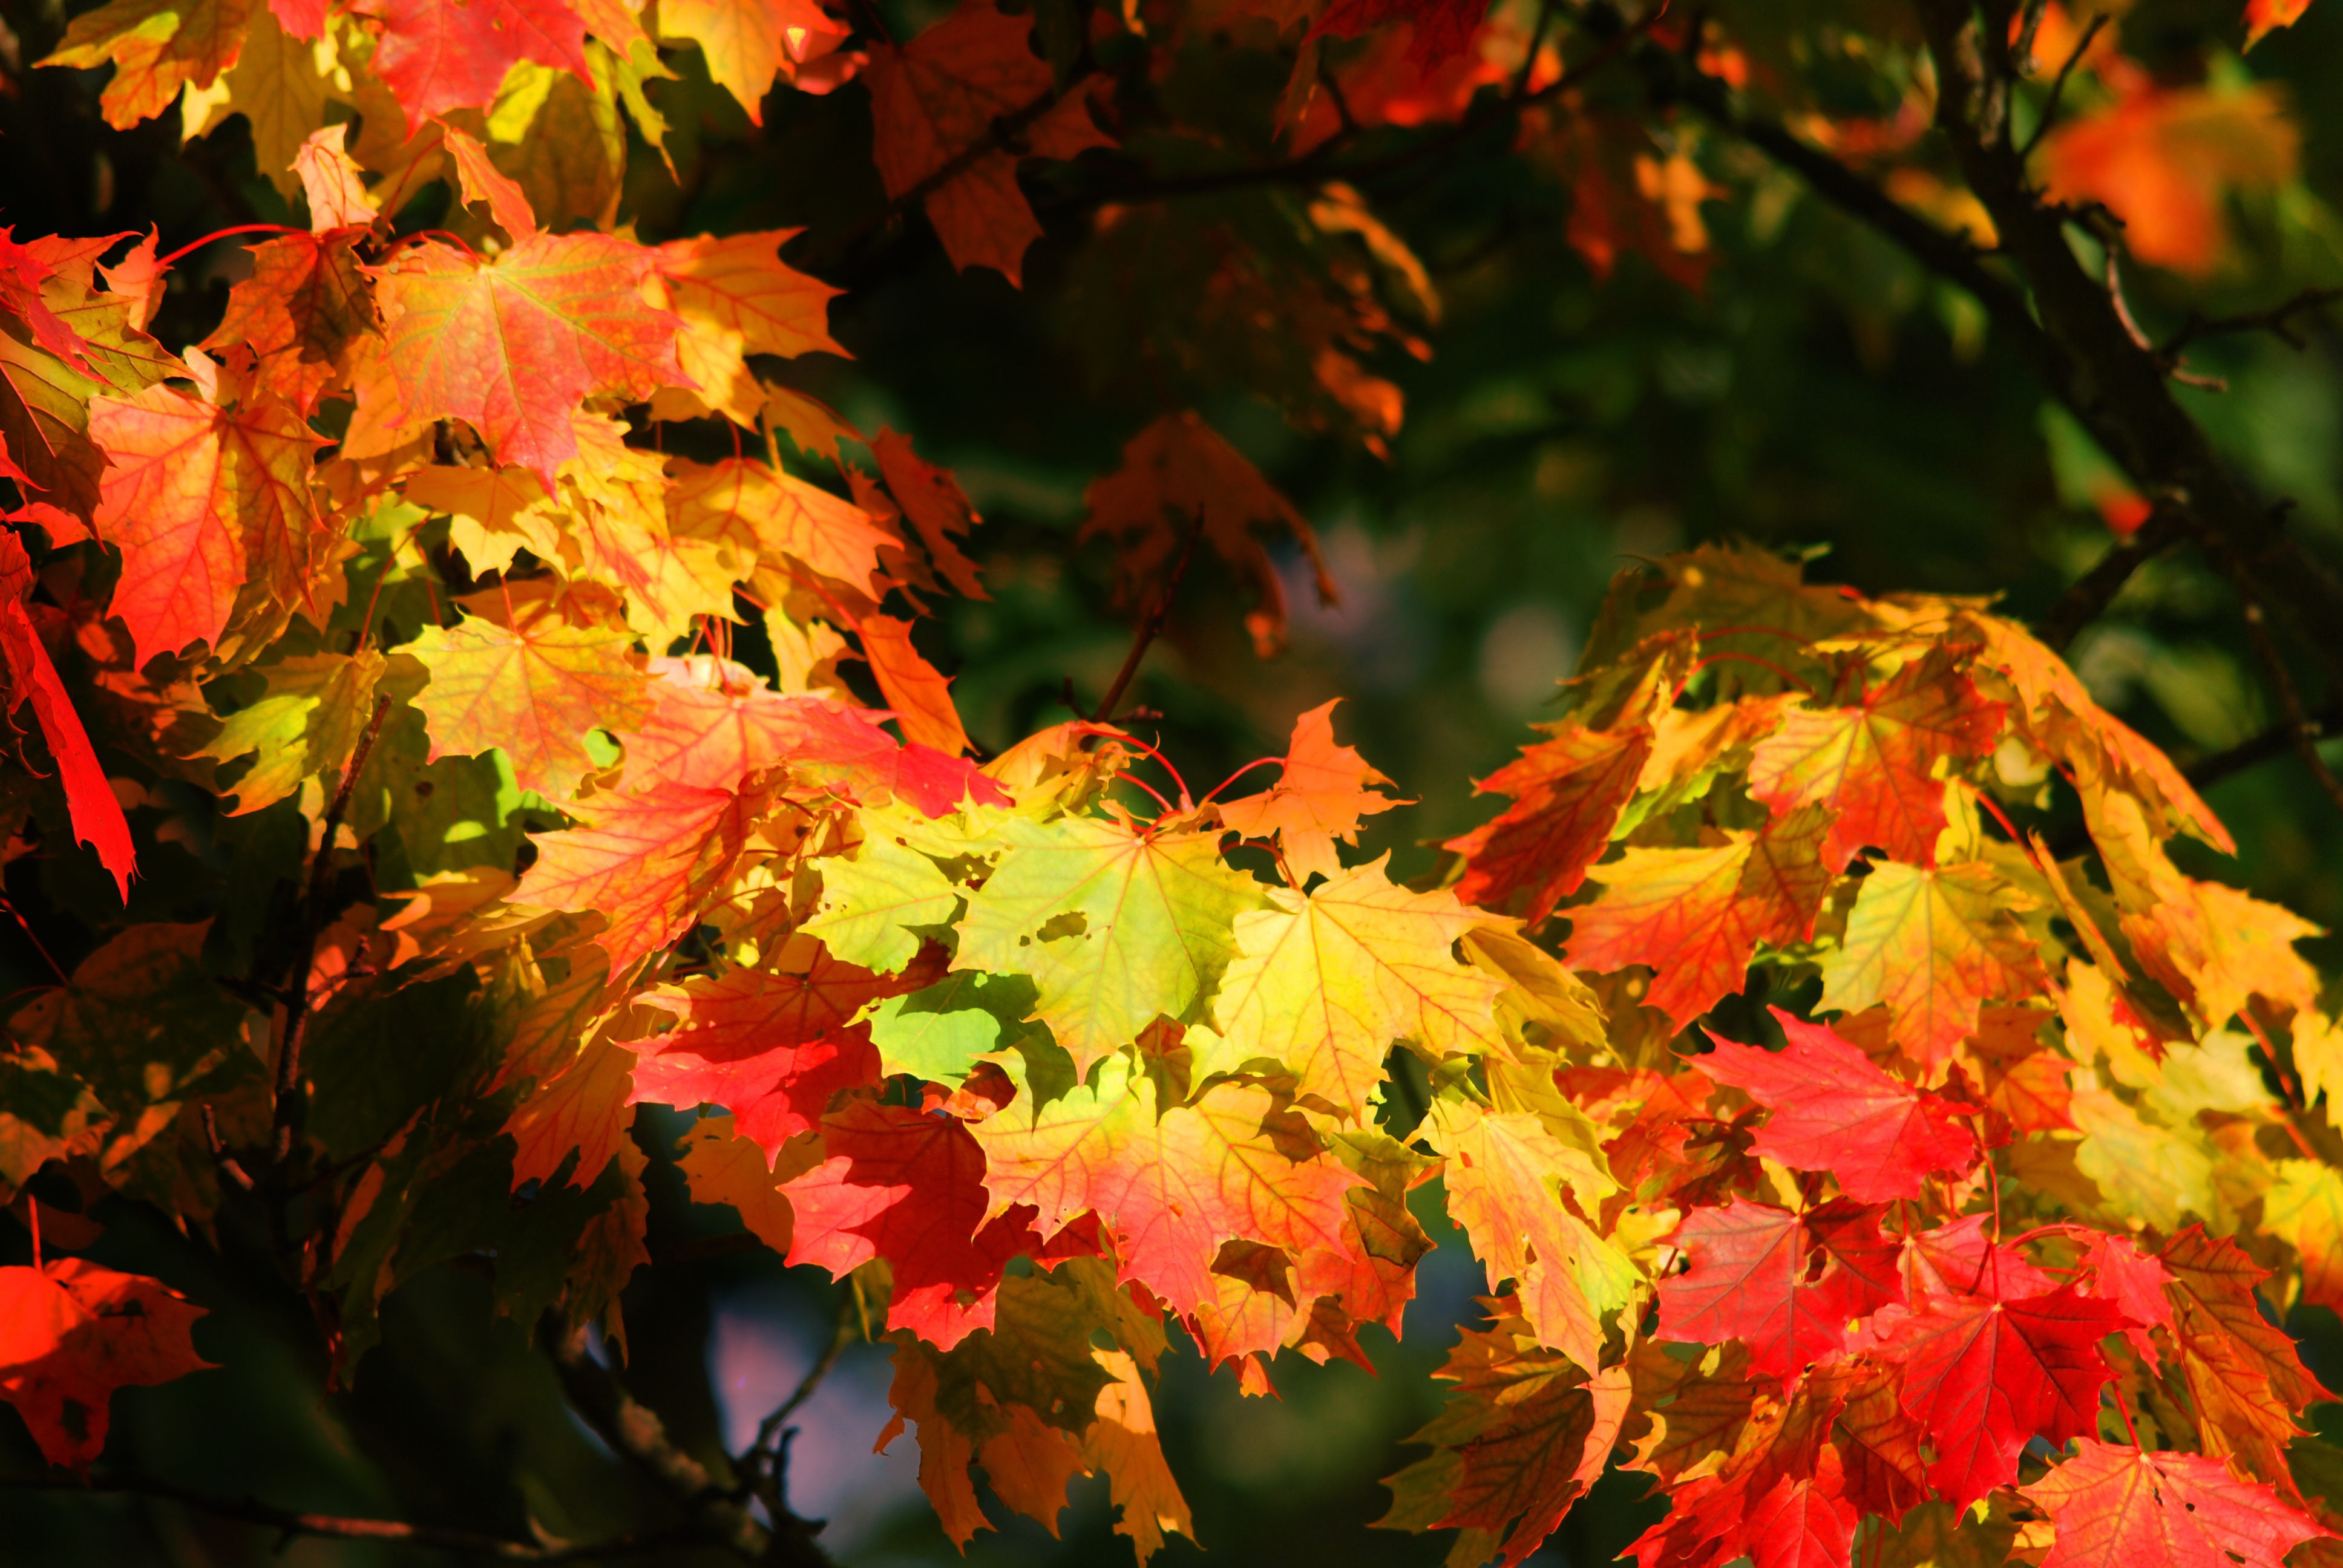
point(532, 691)
point(1441, 29)
point(1984, 1375)
point(872, 901)
point(937, 1033)
point(96, 814)
point(2243, 1372)
point(765, 513)
point(330, 183)
point(1567, 794)
point(580, 1108)
point(747, 43)
point(157, 46)
point(1116, 928)
point(2306, 1208)
point(736, 297)
point(647, 862)
point(939, 510)
point(1749, 1281)
point(714, 723)
point(1520, 1193)
point(1322, 791)
point(515, 344)
point(1874, 764)
point(1181, 467)
point(1834, 1109)
point(934, 104)
point(721, 1166)
point(2113, 1504)
point(920, 696)
point(1935, 946)
point(1325, 982)
point(71, 1332)
point(1524, 1432)
point(1698, 915)
point(211, 509)
point(306, 723)
point(907, 1186)
point(1173, 1188)
point(440, 55)
point(301, 313)
point(771, 1046)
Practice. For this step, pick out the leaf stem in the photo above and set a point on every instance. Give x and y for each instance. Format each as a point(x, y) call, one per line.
point(1150, 626)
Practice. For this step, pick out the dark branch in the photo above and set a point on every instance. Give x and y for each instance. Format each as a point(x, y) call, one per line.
point(293, 1522)
point(2058, 84)
point(2096, 589)
point(2303, 731)
point(1149, 625)
point(2275, 741)
point(635, 1432)
point(2278, 320)
point(291, 1103)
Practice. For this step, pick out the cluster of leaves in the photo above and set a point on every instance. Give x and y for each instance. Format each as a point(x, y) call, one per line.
point(388, 606)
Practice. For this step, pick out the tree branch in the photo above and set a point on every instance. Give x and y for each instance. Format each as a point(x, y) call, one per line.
point(2278, 320)
point(635, 1431)
point(293, 1522)
point(2091, 593)
point(2303, 732)
point(291, 1103)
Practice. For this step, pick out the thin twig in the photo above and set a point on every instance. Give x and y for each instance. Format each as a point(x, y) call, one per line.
point(27, 927)
point(2304, 732)
point(635, 1432)
point(2139, 337)
point(290, 1103)
point(294, 1521)
point(2058, 85)
point(1149, 625)
point(2278, 320)
point(2277, 739)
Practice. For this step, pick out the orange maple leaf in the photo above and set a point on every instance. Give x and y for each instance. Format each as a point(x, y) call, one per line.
point(515, 344)
point(1319, 797)
point(208, 506)
point(647, 862)
point(1696, 916)
point(533, 691)
point(2118, 1505)
point(1873, 764)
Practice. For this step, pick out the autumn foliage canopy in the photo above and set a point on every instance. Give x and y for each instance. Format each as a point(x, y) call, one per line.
point(1885, 1166)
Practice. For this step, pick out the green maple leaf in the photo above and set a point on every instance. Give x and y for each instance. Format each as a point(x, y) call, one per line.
point(1116, 927)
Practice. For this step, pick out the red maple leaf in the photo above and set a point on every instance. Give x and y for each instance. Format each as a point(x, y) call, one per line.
point(441, 54)
point(1567, 795)
point(71, 1333)
point(909, 1186)
point(1832, 1108)
point(1984, 1376)
point(1749, 1281)
point(97, 819)
point(1874, 763)
point(771, 1047)
point(2120, 1508)
point(1443, 28)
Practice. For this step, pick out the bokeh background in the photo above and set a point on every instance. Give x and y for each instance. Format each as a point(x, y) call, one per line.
point(1814, 392)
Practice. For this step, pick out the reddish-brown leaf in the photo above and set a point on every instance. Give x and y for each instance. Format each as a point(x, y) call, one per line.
point(72, 1332)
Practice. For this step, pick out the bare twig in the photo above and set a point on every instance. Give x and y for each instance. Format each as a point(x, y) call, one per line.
point(2140, 339)
point(2278, 320)
point(292, 1522)
point(227, 1164)
point(2058, 82)
point(2277, 739)
point(2304, 732)
point(764, 1467)
point(635, 1432)
point(2092, 591)
point(1150, 626)
point(291, 1104)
